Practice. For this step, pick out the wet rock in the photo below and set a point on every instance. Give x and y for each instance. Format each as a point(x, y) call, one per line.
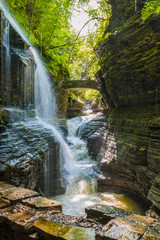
point(75, 108)
point(19, 218)
point(129, 156)
point(92, 132)
point(153, 212)
point(24, 149)
point(43, 203)
point(40, 218)
point(5, 186)
point(50, 230)
point(128, 83)
point(127, 227)
point(4, 203)
point(17, 194)
point(154, 192)
point(153, 232)
point(104, 213)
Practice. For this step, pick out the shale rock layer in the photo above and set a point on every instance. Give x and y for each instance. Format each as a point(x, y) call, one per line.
point(130, 86)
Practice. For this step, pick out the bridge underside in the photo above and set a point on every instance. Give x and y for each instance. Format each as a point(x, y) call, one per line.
point(78, 84)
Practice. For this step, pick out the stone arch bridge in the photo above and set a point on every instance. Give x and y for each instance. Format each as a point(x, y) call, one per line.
point(77, 84)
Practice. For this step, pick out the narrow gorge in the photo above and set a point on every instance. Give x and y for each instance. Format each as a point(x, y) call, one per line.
point(93, 176)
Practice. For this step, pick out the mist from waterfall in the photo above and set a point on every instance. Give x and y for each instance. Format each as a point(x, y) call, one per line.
point(6, 64)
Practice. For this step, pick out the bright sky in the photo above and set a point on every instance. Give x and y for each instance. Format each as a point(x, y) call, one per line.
point(80, 18)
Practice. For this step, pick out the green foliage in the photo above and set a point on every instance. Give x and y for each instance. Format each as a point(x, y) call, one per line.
point(91, 95)
point(151, 7)
point(47, 25)
point(83, 61)
point(85, 95)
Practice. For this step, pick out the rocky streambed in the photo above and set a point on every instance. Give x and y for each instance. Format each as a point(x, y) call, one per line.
point(24, 214)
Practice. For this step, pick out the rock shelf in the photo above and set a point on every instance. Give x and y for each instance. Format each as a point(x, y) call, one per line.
point(24, 214)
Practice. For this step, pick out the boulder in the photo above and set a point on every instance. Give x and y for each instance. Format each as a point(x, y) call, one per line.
point(128, 227)
point(105, 213)
point(50, 230)
point(93, 133)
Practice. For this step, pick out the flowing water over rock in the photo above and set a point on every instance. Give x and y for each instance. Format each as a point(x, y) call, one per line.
point(43, 99)
point(81, 190)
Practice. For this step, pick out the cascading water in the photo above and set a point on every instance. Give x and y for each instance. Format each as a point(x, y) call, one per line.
point(82, 180)
point(5, 65)
point(45, 104)
point(81, 190)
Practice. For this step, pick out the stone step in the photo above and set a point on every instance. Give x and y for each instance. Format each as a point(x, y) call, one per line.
point(43, 203)
point(50, 230)
point(132, 227)
point(105, 213)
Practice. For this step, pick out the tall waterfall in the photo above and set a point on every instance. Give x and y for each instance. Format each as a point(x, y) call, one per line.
point(45, 103)
point(5, 66)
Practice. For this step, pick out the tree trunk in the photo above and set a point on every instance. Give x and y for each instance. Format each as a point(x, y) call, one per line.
point(31, 19)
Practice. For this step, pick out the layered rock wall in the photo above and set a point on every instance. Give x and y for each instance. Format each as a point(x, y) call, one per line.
point(129, 82)
point(17, 69)
point(130, 155)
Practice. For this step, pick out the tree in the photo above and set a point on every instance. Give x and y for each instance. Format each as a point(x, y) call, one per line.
point(151, 7)
point(47, 25)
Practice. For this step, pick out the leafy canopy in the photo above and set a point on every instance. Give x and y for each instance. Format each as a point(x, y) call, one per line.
point(151, 7)
point(48, 26)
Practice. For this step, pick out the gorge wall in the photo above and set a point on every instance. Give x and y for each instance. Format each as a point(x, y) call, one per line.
point(130, 86)
point(17, 69)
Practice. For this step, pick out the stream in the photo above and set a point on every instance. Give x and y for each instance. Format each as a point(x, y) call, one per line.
point(82, 181)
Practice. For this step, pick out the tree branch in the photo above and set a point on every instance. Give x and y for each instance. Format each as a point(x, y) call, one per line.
point(96, 18)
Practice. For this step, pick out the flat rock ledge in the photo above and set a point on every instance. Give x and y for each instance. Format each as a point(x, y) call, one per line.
point(24, 214)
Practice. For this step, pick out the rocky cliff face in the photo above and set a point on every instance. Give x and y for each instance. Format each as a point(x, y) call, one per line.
point(129, 82)
point(26, 147)
point(17, 68)
point(29, 154)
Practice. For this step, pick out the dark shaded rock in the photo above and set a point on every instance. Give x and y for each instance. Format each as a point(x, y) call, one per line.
point(93, 132)
point(4, 203)
point(122, 11)
point(63, 131)
point(74, 108)
point(153, 212)
point(129, 57)
point(25, 147)
point(129, 156)
point(154, 192)
point(105, 213)
point(52, 181)
point(16, 87)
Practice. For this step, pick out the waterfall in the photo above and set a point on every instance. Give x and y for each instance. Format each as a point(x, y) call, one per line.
point(5, 52)
point(45, 103)
point(81, 189)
